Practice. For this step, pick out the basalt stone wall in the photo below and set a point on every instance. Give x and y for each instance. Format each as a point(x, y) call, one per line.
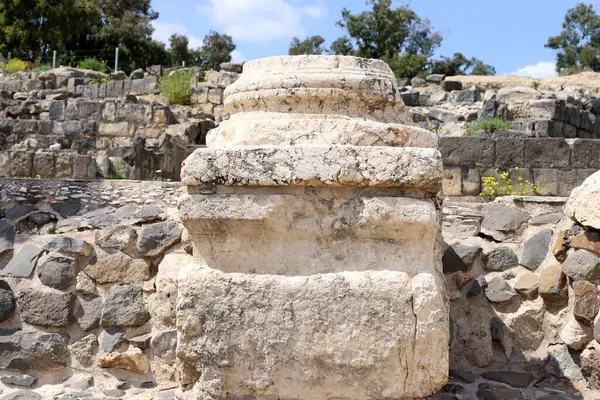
point(524, 321)
point(554, 165)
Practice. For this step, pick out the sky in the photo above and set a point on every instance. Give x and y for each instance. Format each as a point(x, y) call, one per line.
point(508, 34)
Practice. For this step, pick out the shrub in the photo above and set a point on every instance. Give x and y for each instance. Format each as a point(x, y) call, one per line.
point(43, 68)
point(15, 65)
point(117, 170)
point(490, 125)
point(92, 64)
point(178, 87)
point(507, 183)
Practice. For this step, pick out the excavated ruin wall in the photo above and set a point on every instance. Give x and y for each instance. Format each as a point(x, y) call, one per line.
point(521, 327)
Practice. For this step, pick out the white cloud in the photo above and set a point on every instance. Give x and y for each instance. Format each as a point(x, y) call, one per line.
point(259, 21)
point(164, 30)
point(543, 69)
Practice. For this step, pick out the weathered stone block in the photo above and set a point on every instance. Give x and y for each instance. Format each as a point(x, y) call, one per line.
point(452, 181)
point(64, 165)
point(215, 96)
point(546, 181)
point(102, 90)
point(113, 129)
point(5, 163)
point(132, 113)
point(43, 165)
point(91, 110)
point(548, 129)
point(569, 131)
point(126, 88)
point(138, 86)
point(22, 350)
point(468, 151)
point(21, 163)
point(84, 167)
point(547, 153)
point(585, 154)
point(567, 181)
point(510, 152)
point(119, 88)
point(572, 115)
point(57, 109)
point(44, 308)
point(471, 181)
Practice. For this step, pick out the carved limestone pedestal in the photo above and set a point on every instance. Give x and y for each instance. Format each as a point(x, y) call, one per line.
point(315, 217)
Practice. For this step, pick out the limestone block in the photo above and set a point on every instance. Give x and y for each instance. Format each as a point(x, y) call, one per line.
point(21, 163)
point(283, 329)
point(582, 204)
point(43, 164)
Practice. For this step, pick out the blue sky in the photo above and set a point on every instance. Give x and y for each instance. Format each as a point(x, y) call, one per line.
point(509, 34)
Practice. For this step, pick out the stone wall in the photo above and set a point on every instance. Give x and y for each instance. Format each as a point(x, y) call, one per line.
point(523, 323)
point(554, 165)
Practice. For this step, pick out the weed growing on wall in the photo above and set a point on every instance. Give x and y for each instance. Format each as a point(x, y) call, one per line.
point(178, 87)
point(490, 125)
point(507, 183)
point(92, 64)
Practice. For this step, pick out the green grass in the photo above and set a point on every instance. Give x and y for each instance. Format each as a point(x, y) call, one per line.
point(92, 64)
point(490, 125)
point(178, 87)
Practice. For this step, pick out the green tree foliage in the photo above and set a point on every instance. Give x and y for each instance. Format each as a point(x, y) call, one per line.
point(396, 35)
point(30, 29)
point(578, 43)
point(178, 50)
point(216, 49)
point(311, 45)
point(461, 65)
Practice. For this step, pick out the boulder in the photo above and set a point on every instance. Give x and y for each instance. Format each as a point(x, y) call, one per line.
point(435, 78)
point(118, 238)
point(7, 236)
point(118, 268)
point(502, 222)
point(85, 349)
point(137, 74)
point(22, 395)
point(526, 326)
point(582, 206)
point(124, 306)
point(416, 81)
point(23, 263)
point(586, 307)
point(582, 265)
point(499, 291)
point(44, 308)
point(155, 239)
point(535, 249)
point(23, 350)
point(500, 259)
point(57, 271)
point(560, 363)
point(410, 98)
point(450, 86)
point(18, 380)
point(69, 245)
point(8, 303)
point(87, 312)
point(132, 360)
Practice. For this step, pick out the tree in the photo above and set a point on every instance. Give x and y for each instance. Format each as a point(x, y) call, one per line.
point(178, 50)
point(31, 29)
point(578, 44)
point(342, 46)
point(216, 49)
point(395, 35)
point(461, 65)
point(311, 45)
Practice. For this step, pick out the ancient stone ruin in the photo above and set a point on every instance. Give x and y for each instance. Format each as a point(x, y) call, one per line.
point(315, 218)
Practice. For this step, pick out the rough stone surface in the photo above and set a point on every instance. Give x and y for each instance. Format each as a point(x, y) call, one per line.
point(590, 367)
point(560, 363)
point(132, 360)
point(459, 257)
point(44, 308)
point(8, 303)
point(69, 245)
point(582, 265)
point(23, 263)
point(576, 335)
point(21, 350)
point(527, 284)
point(581, 206)
point(7, 236)
point(535, 249)
point(57, 271)
point(586, 301)
point(155, 239)
point(111, 339)
point(514, 379)
point(18, 380)
point(88, 312)
point(586, 241)
point(22, 395)
point(124, 306)
point(118, 238)
point(85, 349)
point(498, 290)
point(164, 344)
point(85, 285)
point(214, 294)
point(553, 284)
point(501, 221)
point(118, 268)
point(500, 259)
